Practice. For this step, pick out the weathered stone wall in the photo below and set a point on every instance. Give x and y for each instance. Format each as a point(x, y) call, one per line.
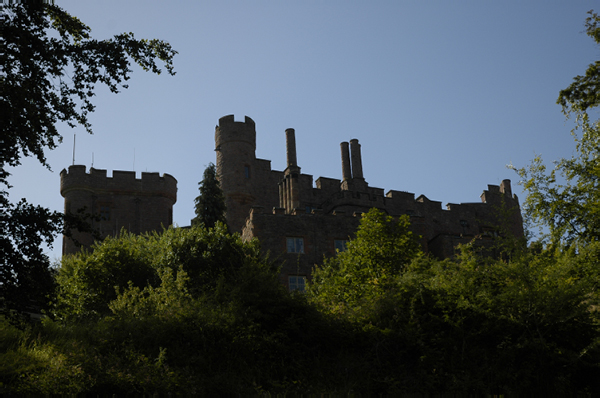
point(318, 231)
point(273, 205)
point(245, 180)
point(121, 202)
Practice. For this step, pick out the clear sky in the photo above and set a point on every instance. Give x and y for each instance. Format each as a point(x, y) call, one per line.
point(442, 95)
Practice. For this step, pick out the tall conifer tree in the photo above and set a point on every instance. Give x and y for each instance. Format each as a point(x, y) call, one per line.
point(210, 204)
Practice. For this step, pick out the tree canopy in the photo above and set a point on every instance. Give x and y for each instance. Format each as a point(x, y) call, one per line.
point(383, 247)
point(566, 199)
point(51, 66)
point(50, 69)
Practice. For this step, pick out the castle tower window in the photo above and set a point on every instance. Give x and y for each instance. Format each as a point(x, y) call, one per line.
point(295, 245)
point(340, 245)
point(297, 283)
point(247, 172)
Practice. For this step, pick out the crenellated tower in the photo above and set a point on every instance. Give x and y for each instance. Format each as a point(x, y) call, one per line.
point(235, 144)
point(122, 201)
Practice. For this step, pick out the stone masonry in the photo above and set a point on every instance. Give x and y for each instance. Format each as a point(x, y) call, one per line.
point(118, 202)
point(299, 222)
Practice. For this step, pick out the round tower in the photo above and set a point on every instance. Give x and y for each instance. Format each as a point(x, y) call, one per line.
point(235, 144)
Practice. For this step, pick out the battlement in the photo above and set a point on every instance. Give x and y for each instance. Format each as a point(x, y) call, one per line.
point(230, 119)
point(495, 193)
point(228, 130)
point(122, 182)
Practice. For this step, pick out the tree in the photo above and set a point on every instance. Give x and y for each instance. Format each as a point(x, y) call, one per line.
point(47, 79)
point(383, 247)
point(527, 325)
point(50, 69)
point(25, 277)
point(210, 257)
point(210, 204)
point(567, 199)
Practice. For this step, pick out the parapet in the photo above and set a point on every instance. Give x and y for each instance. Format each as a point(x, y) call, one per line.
point(230, 119)
point(494, 192)
point(328, 184)
point(228, 130)
point(122, 182)
point(402, 195)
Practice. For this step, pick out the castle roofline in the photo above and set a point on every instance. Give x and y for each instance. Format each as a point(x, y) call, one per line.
point(76, 177)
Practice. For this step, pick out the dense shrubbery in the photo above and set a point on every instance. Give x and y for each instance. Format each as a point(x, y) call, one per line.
point(186, 311)
point(197, 311)
point(526, 325)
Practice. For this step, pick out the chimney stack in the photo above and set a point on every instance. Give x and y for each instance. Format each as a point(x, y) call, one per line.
point(357, 172)
point(290, 140)
point(346, 172)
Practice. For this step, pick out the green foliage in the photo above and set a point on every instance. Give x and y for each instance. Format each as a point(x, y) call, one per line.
point(87, 281)
point(524, 326)
point(381, 250)
point(26, 280)
point(50, 68)
point(210, 204)
point(169, 299)
point(584, 92)
point(216, 321)
point(567, 198)
point(207, 255)
point(208, 258)
point(51, 77)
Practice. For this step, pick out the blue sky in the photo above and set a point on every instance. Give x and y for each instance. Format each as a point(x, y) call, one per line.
point(441, 95)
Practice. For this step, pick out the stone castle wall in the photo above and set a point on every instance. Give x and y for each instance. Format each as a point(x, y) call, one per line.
point(273, 205)
point(122, 201)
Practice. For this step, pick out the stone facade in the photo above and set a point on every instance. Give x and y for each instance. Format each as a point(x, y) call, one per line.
point(297, 221)
point(118, 202)
point(300, 222)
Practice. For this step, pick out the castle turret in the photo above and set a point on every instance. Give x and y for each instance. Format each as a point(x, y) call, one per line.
point(235, 144)
point(122, 201)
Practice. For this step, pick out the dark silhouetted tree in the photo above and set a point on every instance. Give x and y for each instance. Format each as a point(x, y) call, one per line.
point(50, 68)
point(210, 204)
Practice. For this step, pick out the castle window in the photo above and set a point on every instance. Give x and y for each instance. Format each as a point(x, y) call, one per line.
point(104, 213)
point(464, 223)
point(297, 283)
point(295, 245)
point(247, 171)
point(340, 245)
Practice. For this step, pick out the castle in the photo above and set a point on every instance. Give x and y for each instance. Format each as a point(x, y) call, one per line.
point(297, 221)
point(119, 202)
